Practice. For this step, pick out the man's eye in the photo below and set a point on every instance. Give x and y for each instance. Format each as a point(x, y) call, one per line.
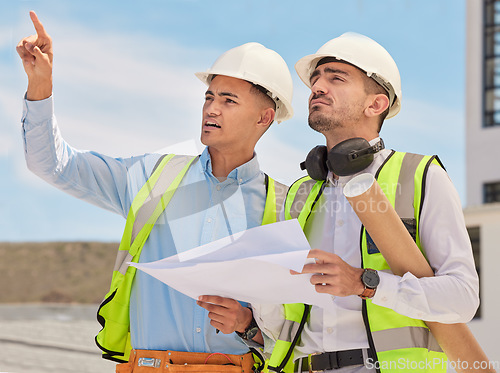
point(208, 98)
point(229, 101)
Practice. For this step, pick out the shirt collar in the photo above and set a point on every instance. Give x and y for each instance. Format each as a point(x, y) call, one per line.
point(242, 174)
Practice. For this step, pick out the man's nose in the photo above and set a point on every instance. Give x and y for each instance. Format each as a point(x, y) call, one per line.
point(319, 88)
point(212, 108)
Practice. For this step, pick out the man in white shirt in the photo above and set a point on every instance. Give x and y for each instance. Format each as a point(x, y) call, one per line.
point(375, 322)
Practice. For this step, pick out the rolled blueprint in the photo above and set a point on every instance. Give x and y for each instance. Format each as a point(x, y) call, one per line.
point(402, 254)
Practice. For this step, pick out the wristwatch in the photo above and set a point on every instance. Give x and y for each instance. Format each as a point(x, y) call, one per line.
point(250, 332)
point(370, 280)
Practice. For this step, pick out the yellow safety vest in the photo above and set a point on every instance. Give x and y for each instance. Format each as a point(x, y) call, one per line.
point(149, 203)
point(396, 342)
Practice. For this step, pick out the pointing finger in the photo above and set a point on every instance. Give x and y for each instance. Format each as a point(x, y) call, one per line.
point(40, 30)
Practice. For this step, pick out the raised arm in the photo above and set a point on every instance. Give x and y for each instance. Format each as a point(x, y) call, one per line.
point(37, 55)
point(104, 181)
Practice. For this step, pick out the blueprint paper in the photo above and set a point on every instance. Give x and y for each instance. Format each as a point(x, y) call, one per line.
point(251, 266)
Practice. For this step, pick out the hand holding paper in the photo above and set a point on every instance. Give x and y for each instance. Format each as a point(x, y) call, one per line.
point(332, 275)
point(226, 315)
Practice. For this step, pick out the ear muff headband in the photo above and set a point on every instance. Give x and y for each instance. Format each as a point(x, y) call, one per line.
point(346, 158)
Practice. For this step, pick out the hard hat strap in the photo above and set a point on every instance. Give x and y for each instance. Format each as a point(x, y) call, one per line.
point(387, 86)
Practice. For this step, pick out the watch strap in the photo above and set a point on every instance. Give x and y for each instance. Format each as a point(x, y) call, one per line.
point(251, 330)
point(367, 293)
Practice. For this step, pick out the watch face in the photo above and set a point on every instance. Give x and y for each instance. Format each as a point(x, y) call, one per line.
point(252, 332)
point(370, 278)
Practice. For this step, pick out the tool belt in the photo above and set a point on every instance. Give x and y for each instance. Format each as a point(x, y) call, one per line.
point(151, 361)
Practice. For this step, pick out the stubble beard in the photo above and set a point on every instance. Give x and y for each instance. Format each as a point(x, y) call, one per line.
point(328, 122)
point(322, 123)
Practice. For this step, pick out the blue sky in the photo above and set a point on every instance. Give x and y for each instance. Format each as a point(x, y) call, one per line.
point(124, 85)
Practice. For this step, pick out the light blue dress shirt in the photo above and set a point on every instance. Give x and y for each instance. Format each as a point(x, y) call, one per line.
point(202, 210)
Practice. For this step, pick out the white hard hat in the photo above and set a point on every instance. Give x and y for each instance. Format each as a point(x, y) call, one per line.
point(364, 53)
point(259, 65)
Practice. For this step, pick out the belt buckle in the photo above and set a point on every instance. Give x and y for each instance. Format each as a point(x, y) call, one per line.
point(149, 362)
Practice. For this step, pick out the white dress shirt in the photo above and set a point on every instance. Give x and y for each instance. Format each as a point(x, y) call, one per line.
point(452, 296)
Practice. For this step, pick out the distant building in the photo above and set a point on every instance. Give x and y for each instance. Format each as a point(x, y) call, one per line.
point(482, 211)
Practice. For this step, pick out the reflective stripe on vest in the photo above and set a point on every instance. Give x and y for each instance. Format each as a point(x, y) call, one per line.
point(304, 194)
point(406, 337)
point(154, 196)
point(276, 193)
point(146, 208)
point(296, 316)
point(392, 337)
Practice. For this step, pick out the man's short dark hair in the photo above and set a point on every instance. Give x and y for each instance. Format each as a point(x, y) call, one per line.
point(262, 92)
point(372, 87)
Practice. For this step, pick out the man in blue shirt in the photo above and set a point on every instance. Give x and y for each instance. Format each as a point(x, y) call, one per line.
point(222, 192)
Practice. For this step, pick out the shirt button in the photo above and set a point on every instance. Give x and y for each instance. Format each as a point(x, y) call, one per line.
point(209, 220)
point(340, 223)
point(240, 181)
point(198, 330)
point(218, 187)
point(329, 330)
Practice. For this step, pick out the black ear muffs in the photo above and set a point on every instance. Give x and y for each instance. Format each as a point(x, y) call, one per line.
point(346, 158)
point(315, 163)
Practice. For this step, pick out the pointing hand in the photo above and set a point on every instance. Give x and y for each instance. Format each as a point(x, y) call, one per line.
point(36, 53)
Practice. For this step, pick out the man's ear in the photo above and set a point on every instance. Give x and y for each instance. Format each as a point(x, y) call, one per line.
point(379, 103)
point(266, 117)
